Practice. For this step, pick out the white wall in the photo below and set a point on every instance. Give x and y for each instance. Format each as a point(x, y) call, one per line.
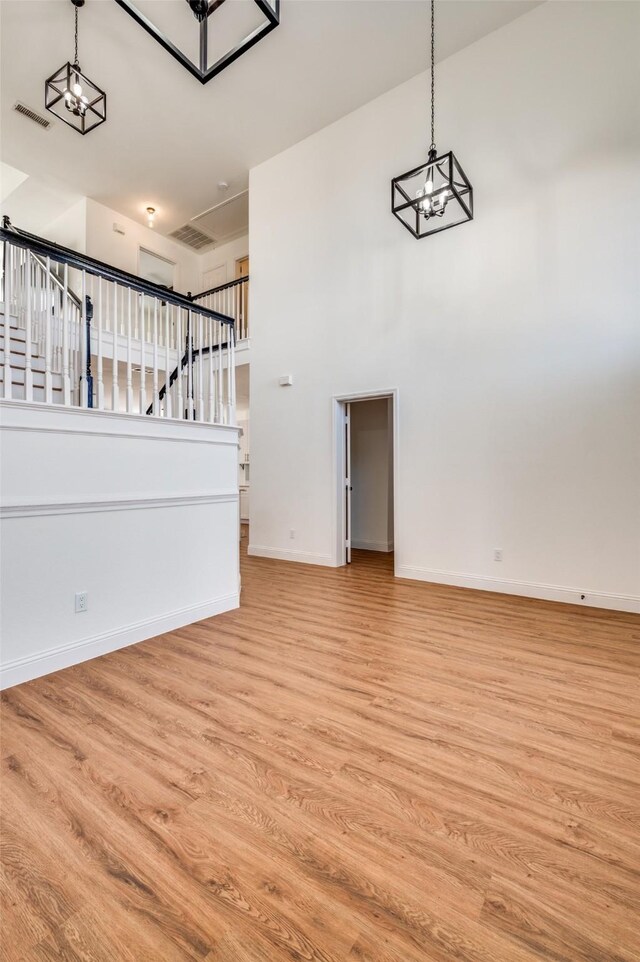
point(122, 250)
point(140, 513)
point(225, 255)
point(514, 341)
point(70, 228)
point(371, 474)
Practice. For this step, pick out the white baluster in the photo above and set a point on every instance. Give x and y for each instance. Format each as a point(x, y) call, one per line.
point(231, 373)
point(154, 378)
point(8, 279)
point(190, 391)
point(200, 411)
point(100, 397)
point(129, 359)
point(115, 389)
point(220, 417)
point(48, 375)
point(180, 411)
point(212, 411)
point(66, 321)
point(143, 357)
point(167, 389)
point(83, 352)
point(28, 349)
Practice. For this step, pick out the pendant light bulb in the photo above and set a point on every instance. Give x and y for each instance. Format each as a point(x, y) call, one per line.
point(151, 213)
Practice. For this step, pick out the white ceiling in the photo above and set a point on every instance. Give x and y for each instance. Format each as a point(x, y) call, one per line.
point(168, 140)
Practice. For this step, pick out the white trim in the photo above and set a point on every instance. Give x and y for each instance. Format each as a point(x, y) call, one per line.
point(338, 401)
point(527, 589)
point(18, 416)
point(373, 545)
point(284, 554)
point(44, 662)
point(32, 507)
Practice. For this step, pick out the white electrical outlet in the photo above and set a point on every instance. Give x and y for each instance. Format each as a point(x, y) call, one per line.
point(497, 554)
point(292, 533)
point(82, 601)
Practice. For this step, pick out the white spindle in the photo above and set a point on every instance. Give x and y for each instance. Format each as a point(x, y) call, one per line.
point(200, 412)
point(115, 389)
point(220, 418)
point(100, 372)
point(231, 373)
point(8, 279)
point(212, 412)
point(167, 389)
point(83, 353)
point(143, 357)
point(28, 372)
point(129, 359)
point(180, 400)
point(66, 321)
point(154, 377)
point(48, 375)
point(190, 365)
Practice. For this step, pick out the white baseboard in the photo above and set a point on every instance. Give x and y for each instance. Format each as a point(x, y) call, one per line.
point(527, 589)
point(284, 554)
point(44, 662)
point(373, 545)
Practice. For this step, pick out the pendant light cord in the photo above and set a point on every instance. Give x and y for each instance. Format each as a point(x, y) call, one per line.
point(76, 38)
point(433, 76)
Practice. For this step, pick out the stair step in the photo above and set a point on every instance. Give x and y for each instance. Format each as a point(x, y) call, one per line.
point(18, 394)
point(18, 377)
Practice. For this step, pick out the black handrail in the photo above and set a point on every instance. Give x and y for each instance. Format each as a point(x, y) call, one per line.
point(184, 360)
point(222, 287)
point(92, 265)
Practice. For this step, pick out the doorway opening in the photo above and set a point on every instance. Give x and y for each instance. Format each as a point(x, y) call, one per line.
point(366, 445)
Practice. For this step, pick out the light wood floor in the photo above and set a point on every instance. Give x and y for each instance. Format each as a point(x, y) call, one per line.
point(349, 768)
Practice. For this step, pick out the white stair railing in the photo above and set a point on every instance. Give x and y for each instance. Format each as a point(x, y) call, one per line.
point(231, 299)
point(96, 337)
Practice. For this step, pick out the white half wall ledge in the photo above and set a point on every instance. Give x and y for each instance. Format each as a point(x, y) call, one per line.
point(96, 502)
point(48, 661)
point(525, 589)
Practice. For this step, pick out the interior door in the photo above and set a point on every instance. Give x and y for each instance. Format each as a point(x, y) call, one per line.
point(347, 480)
point(214, 277)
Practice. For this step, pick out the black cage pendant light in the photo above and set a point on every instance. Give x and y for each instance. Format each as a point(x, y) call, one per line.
point(205, 36)
point(71, 96)
point(437, 195)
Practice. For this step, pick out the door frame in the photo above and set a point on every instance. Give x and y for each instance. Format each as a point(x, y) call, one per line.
point(339, 402)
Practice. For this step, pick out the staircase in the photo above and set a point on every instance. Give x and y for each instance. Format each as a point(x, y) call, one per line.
point(78, 332)
point(14, 367)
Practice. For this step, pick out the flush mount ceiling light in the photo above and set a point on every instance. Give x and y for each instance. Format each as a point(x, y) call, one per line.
point(437, 195)
point(205, 36)
point(71, 96)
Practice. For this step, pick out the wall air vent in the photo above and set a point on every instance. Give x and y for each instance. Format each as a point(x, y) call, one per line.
point(32, 115)
point(192, 237)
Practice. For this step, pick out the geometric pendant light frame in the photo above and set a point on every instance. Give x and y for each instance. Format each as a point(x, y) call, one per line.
point(203, 18)
point(438, 194)
point(72, 96)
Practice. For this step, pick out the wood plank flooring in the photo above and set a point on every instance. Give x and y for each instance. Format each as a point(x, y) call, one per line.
point(347, 769)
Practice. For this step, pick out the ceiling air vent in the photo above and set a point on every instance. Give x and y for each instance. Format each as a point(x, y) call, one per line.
point(32, 115)
point(192, 237)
